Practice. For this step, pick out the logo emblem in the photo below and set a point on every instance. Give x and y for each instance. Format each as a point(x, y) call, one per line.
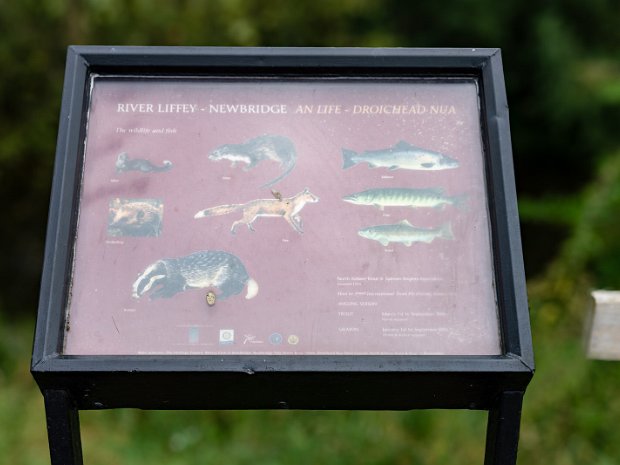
point(293, 339)
point(194, 335)
point(275, 339)
point(227, 336)
point(251, 339)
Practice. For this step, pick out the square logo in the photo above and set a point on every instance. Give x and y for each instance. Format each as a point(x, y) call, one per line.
point(227, 336)
point(194, 335)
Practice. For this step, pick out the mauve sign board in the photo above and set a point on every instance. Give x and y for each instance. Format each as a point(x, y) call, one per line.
point(325, 216)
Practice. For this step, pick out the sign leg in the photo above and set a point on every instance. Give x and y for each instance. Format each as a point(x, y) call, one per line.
point(503, 429)
point(63, 428)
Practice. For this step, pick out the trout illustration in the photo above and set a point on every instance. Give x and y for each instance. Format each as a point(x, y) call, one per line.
point(402, 156)
point(205, 269)
point(267, 147)
point(405, 233)
point(404, 197)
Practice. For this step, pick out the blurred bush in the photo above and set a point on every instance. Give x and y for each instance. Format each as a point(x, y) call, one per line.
point(560, 60)
point(589, 259)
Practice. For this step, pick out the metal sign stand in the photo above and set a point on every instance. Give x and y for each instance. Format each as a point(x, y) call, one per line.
point(503, 429)
point(495, 383)
point(63, 427)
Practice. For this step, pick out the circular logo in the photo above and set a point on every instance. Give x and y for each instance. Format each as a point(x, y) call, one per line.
point(275, 339)
point(227, 336)
point(293, 339)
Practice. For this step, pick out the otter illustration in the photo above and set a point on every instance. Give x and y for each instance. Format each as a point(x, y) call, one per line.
point(267, 147)
point(135, 217)
point(124, 163)
point(206, 269)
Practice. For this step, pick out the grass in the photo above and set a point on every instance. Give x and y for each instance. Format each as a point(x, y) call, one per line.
point(569, 416)
point(130, 436)
point(276, 437)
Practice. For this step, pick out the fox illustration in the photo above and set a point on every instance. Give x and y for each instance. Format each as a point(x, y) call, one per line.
point(287, 208)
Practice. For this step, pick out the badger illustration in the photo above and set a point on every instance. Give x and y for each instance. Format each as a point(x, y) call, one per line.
point(124, 163)
point(206, 269)
point(135, 217)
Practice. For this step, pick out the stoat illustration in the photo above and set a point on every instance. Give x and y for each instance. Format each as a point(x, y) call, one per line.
point(124, 163)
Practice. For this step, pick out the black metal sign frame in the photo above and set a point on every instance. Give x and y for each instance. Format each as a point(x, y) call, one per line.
point(493, 383)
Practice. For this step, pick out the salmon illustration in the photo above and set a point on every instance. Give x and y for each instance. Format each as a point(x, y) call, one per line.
point(405, 233)
point(287, 208)
point(402, 156)
point(266, 147)
point(205, 269)
point(404, 197)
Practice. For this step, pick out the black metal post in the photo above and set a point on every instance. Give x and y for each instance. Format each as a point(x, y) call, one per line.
point(503, 429)
point(63, 428)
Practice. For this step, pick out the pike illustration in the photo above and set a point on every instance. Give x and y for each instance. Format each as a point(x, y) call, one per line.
point(402, 156)
point(267, 147)
point(287, 208)
point(404, 197)
point(200, 270)
point(405, 233)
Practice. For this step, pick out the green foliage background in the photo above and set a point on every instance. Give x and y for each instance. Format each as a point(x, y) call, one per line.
point(562, 66)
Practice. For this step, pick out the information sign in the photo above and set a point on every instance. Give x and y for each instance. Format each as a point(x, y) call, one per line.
point(245, 228)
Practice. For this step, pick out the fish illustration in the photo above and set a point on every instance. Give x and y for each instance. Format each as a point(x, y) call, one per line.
point(405, 233)
point(205, 269)
point(124, 163)
point(402, 156)
point(287, 208)
point(267, 147)
point(404, 197)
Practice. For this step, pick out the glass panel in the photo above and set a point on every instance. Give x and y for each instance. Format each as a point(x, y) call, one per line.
point(271, 216)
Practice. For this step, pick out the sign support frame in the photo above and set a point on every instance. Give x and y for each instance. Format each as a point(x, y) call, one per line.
point(493, 383)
